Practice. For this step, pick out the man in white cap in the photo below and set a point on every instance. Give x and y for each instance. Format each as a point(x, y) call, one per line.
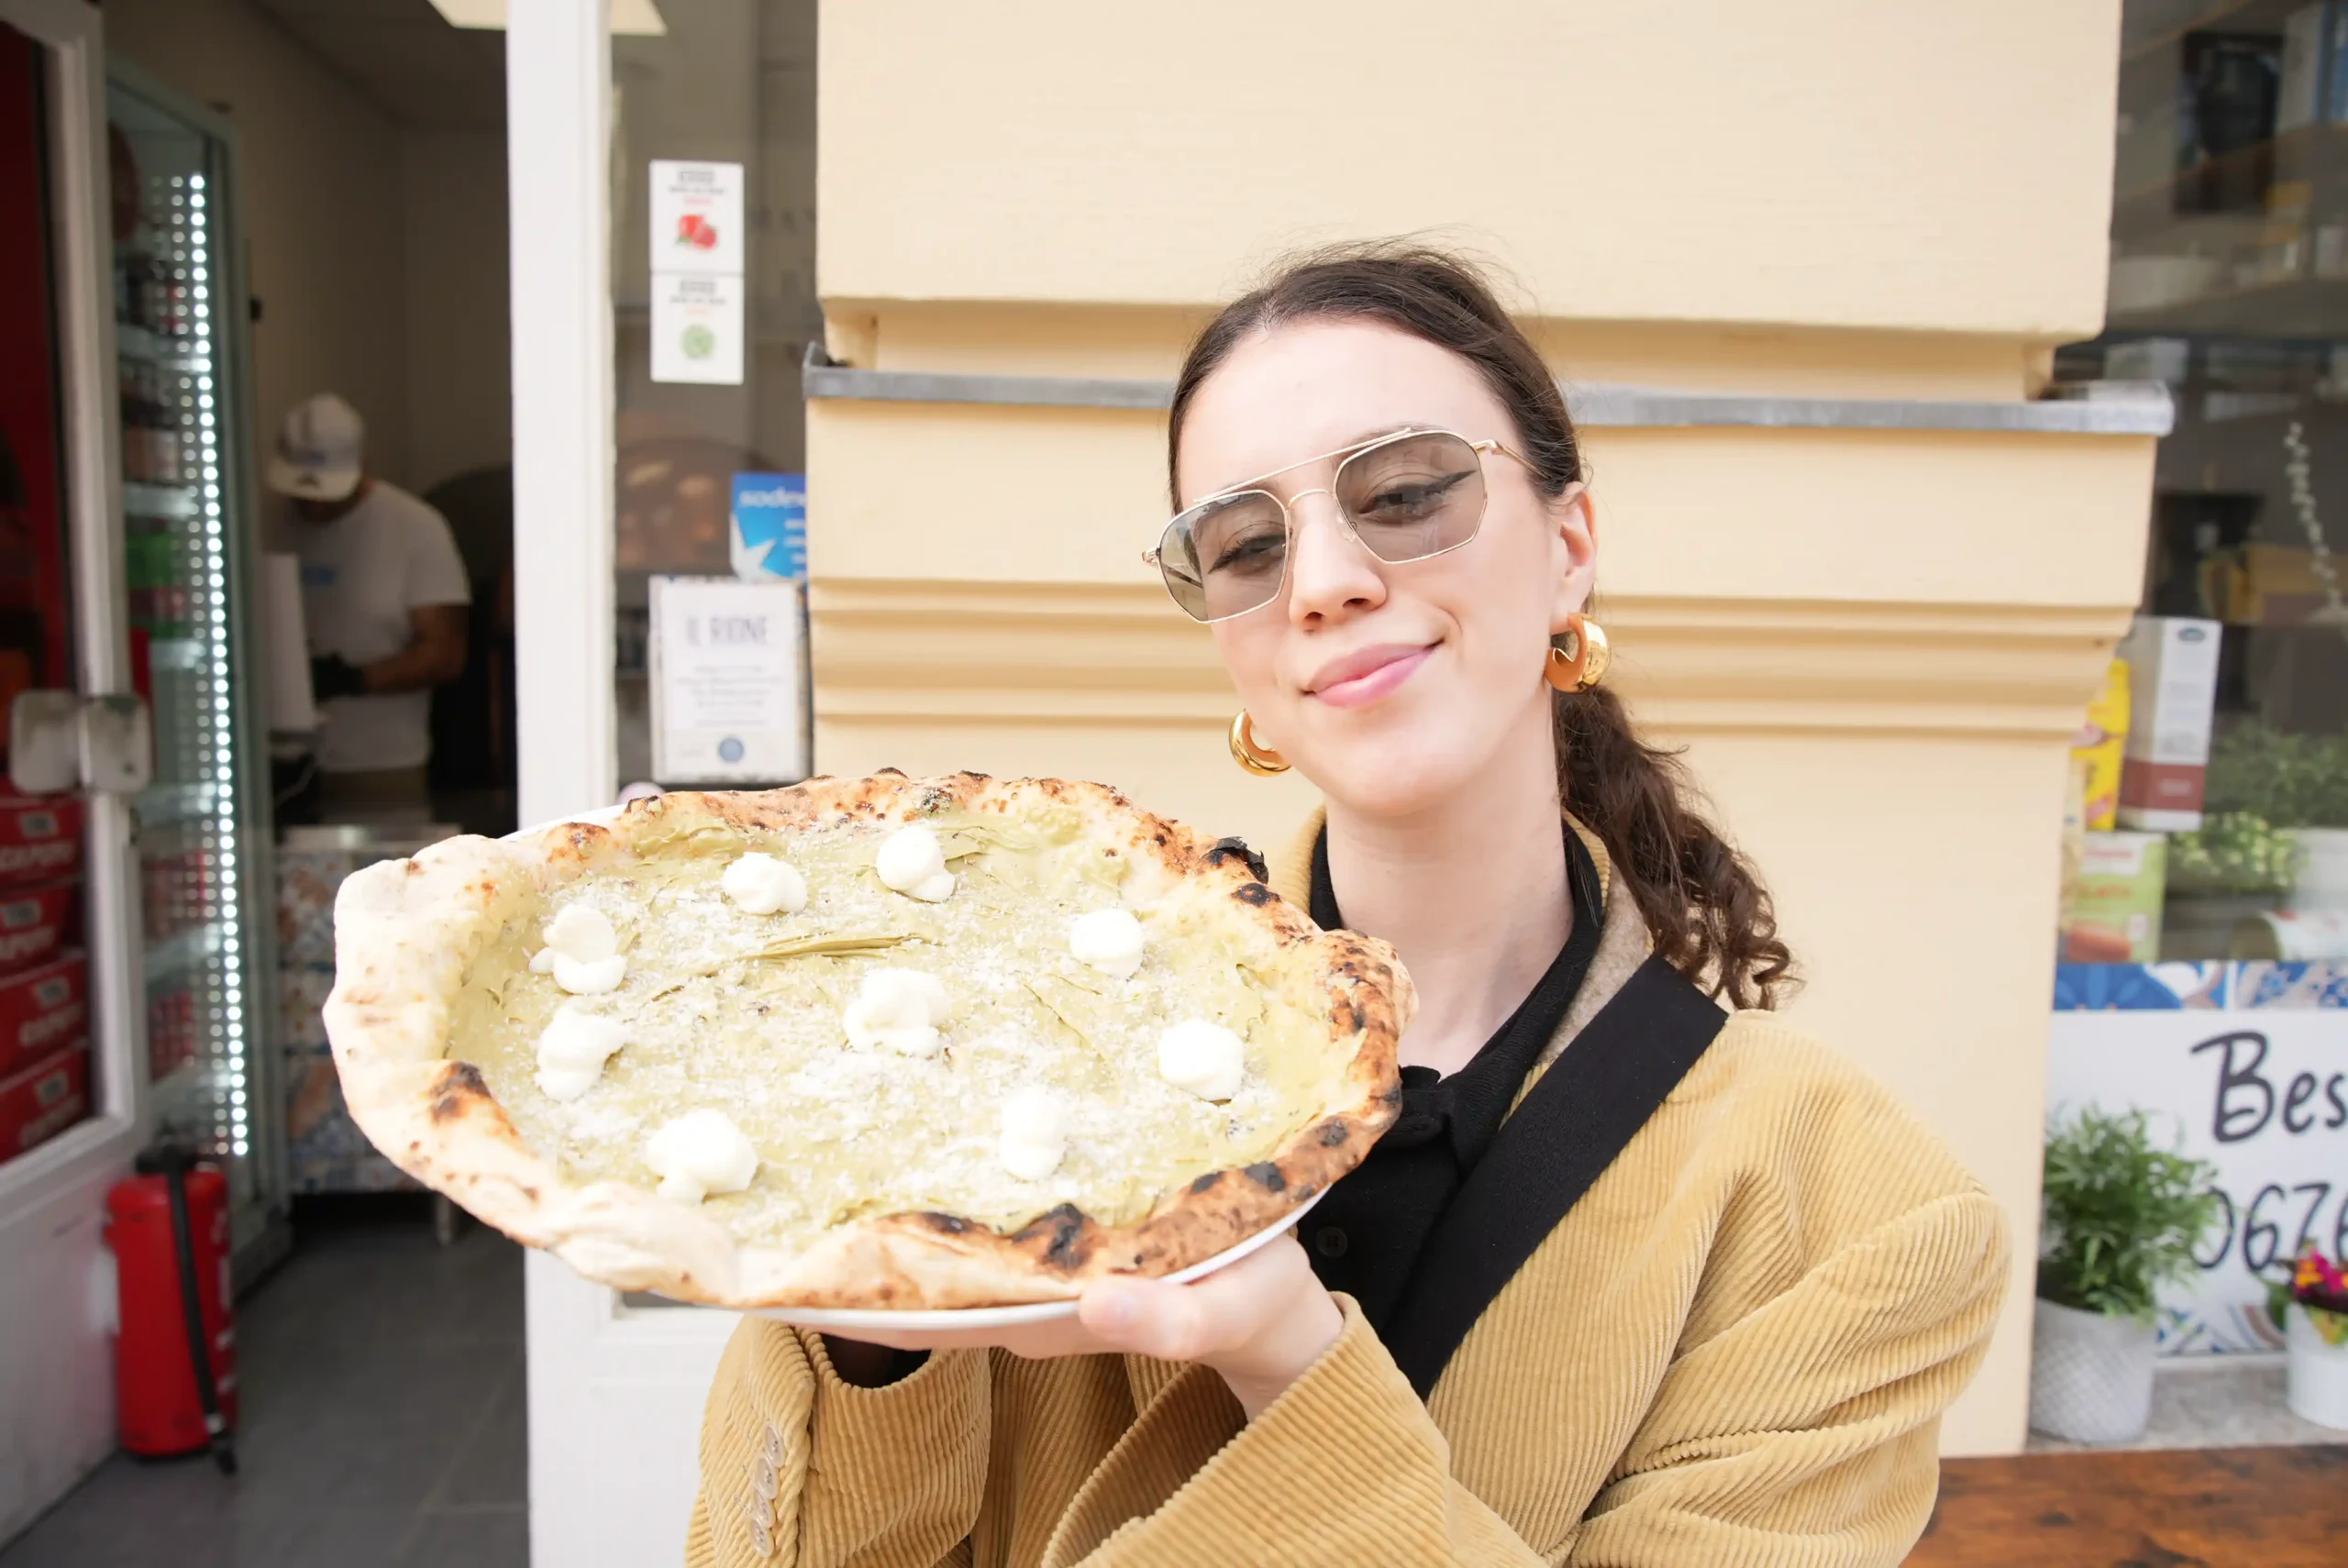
point(384, 595)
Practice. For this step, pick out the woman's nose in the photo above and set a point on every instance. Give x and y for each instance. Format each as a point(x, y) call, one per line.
point(1329, 571)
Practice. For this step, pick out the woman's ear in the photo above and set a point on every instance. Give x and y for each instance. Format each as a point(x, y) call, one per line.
point(1573, 519)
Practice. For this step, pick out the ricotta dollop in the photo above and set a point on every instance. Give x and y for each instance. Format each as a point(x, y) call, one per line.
point(902, 1009)
point(1108, 940)
point(699, 1154)
point(912, 861)
point(760, 884)
point(581, 953)
point(1205, 1058)
point(1034, 1134)
point(573, 1049)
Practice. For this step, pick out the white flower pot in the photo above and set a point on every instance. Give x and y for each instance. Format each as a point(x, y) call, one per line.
point(2316, 1372)
point(2323, 881)
point(2091, 1376)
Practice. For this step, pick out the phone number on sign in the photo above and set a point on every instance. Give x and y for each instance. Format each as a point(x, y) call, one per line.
point(2262, 1228)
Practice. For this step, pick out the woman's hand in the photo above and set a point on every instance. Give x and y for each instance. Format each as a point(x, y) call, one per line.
point(1260, 1323)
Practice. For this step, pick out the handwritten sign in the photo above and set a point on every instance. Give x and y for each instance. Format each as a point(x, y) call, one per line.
point(728, 681)
point(2247, 1065)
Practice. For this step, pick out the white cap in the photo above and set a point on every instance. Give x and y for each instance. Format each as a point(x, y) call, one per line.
point(321, 451)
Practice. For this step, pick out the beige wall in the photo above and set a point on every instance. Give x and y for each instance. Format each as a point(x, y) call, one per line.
point(320, 203)
point(1818, 162)
point(1875, 645)
point(460, 404)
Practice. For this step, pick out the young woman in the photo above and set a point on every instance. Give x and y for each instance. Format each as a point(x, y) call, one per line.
point(1734, 1349)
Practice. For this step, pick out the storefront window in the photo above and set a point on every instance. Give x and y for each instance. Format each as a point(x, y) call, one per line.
point(713, 304)
point(2230, 284)
point(2204, 935)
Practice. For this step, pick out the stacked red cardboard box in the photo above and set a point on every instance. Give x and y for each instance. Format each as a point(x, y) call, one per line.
point(44, 978)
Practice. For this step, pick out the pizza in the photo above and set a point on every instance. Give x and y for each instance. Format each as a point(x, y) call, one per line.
point(882, 1042)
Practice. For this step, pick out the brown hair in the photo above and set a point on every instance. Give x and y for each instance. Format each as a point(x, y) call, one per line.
point(1711, 915)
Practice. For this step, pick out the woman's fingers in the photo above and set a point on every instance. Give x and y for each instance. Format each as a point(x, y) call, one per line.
point(1195, 1322)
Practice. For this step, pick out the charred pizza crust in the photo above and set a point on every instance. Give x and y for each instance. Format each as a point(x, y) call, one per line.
point(407, 929)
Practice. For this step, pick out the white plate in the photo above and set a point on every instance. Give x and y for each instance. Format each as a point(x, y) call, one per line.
point(846, 1317)
point(853, 1317)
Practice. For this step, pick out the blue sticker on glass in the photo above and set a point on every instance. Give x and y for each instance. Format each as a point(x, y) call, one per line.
point(729, 750)
point(768, 537)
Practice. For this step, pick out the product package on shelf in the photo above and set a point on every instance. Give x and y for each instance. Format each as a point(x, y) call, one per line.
point(43, 1009)
point(2113, 910)
point(43, 1100)
point(170, 1032)
point(175, 891)
point(34, 922)
point(307, 882)
point(2098, 747)
point(40, 838)
point(324, 1148)
point(2172, 695)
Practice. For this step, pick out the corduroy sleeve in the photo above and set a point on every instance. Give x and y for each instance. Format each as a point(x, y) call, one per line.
point(802, 1470)
point(1804, 1434)
point(1345, 1468)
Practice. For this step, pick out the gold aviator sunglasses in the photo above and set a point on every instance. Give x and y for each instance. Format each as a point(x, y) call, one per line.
point(1404, 497)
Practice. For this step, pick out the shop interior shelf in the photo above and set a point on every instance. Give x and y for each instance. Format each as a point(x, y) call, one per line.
point(168, 501)
point(2293, 150)
point(137, 343)
point(176, 955)
point(2238, 15)
point(167, 805)
point(178, 653)
point(2288, 307)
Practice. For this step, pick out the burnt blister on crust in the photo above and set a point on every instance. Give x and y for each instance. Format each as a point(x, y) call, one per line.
point(1255, 895)
point(952, 1224)
point(1204, 1183)
point(460, 1084)
point(1236, 849)
point(1334, 1132)
point(1268, 1174)
point(1066, 1226)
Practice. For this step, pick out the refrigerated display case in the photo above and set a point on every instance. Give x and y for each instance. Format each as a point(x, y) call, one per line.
point(134, 824)
point(188, 547)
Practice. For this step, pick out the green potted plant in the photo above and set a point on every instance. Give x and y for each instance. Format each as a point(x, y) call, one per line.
point(2297, 786)
point(2123, 1217)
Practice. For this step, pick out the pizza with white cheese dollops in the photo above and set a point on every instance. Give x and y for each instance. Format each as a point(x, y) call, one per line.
point(884, 1042)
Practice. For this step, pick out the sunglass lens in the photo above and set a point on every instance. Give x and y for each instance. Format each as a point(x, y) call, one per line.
point(1226, 556)
point(1414, 497)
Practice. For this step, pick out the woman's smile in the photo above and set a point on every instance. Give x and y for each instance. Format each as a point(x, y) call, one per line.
point(1359, 678)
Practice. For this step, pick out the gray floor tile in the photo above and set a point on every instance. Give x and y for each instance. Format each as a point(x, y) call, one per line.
point(480, 1538)
point(492, 1466)
point(382, 1426)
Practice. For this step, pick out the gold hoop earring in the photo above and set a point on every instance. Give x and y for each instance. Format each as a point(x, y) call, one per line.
point(1245, 751)
point(1578, 658)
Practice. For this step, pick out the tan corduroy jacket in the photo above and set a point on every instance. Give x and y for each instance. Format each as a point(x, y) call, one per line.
point(1733, 1350)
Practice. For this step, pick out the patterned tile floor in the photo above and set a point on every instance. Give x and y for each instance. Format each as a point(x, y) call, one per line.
point(383, 1425)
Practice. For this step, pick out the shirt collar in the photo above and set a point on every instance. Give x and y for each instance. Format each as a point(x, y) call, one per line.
point(1468, 1106)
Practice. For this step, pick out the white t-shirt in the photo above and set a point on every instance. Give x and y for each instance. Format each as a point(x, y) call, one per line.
point(361, 576)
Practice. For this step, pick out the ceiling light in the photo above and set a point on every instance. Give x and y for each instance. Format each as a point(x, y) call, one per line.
point(630, 19)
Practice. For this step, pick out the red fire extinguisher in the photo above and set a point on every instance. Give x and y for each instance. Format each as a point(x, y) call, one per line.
point(175, 1352)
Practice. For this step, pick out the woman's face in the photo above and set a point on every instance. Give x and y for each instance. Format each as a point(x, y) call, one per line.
point(1391, 687)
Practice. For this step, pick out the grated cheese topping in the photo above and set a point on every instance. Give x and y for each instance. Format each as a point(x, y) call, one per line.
point(783, 1022)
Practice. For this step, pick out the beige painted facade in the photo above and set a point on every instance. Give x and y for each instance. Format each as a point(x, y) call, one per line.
point(1875, 645)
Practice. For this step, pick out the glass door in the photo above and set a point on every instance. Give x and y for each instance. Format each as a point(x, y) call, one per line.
point(188, 531)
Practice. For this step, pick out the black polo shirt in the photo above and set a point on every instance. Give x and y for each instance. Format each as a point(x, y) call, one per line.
point(1364, 1237)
